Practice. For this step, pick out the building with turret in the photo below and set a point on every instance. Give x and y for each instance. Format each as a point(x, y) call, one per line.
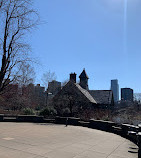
point(84, 80)
point(78, 96)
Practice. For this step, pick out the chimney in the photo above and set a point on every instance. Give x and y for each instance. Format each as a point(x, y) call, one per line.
point(73, 77)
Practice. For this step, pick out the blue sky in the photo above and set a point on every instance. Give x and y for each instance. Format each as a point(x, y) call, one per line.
point(90, 34)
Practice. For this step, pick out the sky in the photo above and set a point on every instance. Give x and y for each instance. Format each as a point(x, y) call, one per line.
point(102, 36)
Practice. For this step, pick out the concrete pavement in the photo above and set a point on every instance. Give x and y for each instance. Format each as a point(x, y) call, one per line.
point(28, 140)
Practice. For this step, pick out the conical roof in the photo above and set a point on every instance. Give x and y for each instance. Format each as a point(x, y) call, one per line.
point(83, 74)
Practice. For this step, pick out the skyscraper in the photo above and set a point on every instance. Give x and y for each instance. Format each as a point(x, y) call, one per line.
point(115, 89)
point(127, 94)
point(54, 87)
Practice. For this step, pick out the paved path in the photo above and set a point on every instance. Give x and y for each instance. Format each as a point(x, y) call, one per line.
point(28, 140)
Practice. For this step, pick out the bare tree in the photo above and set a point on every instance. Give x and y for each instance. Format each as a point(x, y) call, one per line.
point(48, 77)
point(26, 75)
point(17, 18)
point(1, 3)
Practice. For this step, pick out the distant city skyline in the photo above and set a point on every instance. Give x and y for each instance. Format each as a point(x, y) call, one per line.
point(89, 34)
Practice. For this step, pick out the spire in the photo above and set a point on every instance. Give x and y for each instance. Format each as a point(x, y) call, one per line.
point(84, 80)
point(84, 74)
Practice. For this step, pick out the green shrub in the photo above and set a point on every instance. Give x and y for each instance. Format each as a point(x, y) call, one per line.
point(48, 112)
point(28, 111)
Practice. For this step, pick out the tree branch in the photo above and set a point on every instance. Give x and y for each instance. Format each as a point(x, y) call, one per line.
point(17, 17)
